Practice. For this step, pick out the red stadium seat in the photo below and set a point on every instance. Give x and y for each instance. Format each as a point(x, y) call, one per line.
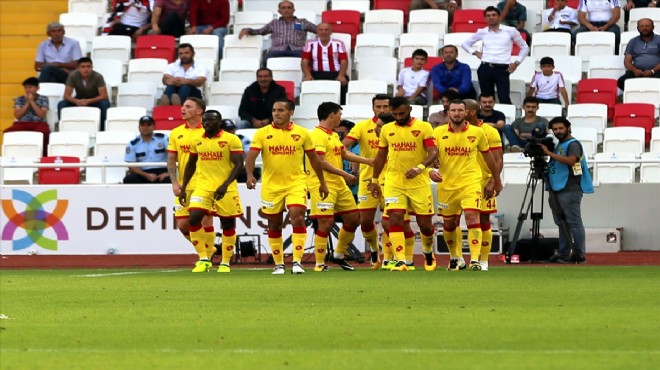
point(515, 50)
point(394, 4)
point(56, 175)
point(598, 90)
point(343, 21)
point(290, 88)
point(167, 117)
point(635, 115)
point(468, 20)
point(156, 46)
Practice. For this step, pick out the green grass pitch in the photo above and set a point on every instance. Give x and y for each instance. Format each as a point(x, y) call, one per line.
point(514, 317)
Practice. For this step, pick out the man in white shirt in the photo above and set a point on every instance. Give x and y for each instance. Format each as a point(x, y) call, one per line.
point(600, 15)
point(561, 18)
point(495, 58)
point(413, 81)
point(183, 78)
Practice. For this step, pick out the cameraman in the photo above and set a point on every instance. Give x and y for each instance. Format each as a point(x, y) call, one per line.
point(568, 179)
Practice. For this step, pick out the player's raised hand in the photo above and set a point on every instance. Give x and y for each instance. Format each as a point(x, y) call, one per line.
point(435, 176)
point(251, 182)
point(323, 190)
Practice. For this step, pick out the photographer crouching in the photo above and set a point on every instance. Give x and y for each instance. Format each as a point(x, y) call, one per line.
point(569, 178)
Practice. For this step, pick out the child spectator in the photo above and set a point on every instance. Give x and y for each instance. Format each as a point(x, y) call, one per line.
point(547, 84)
point(30, 111)
point(413, 80)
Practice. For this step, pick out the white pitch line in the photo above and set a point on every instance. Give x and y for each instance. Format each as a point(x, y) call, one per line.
point(337, 351)
point(126, 273)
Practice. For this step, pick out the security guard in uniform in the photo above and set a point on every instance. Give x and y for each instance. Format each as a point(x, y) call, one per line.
point(147, 147)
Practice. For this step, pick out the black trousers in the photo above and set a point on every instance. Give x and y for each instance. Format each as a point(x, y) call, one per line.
point(331, 76)
point(495, 75)
point(134, 178)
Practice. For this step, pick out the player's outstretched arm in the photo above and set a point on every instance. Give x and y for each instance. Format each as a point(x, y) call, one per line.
point(250, 160)
point(352, 157)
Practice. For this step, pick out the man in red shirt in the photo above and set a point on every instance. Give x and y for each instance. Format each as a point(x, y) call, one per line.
point(325, 58)
point(209, 17)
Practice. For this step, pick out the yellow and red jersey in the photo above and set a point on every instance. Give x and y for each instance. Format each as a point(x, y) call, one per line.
point(494, 141)
point(214, 159)
point(458, 153)
point(180, 141)
point(364, 132)
point(327, 144)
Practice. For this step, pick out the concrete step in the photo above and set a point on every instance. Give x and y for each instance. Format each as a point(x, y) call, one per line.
point(18, 42)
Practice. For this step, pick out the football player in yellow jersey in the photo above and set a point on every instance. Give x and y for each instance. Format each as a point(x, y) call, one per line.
point(488, 204)
point(331, 153)
point(459, 177)
point(220, 157)
point(283, 145)
point(178, 151)
point(409, 146)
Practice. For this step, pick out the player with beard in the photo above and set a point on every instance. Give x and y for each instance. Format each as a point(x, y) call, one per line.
point(409, 144)
point(459, 177)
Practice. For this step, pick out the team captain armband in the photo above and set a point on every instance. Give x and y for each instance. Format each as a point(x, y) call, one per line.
point(429, 142)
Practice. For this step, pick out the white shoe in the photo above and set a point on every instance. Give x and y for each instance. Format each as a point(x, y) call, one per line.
point(278, 270)
point(484, 265)
point(296, 268)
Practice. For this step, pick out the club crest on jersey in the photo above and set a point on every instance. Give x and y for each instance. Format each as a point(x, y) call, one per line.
point(295, 137)
point(391, 134)
point(471, 138)
point(269, 137)
point(370, 131)
point(445, 137)
point(415, 133)
point(222, 144)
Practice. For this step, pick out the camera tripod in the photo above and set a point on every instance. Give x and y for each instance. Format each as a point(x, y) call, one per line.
point(538, 172)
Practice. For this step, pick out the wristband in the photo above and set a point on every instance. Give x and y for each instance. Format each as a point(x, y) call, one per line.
point(421, 167)
point(374, 180)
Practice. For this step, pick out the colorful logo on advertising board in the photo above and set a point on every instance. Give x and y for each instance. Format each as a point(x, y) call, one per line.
point(36, 216)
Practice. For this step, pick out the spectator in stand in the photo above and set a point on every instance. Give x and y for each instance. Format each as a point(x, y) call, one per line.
point(524, 128)
point(514, 14)
point(642, 55)
point(89, 87)
point(600, 15)
point(256, 109)
point(30, 111)
point(209, 17)
point(413, 81)
point(288, 32)
point(561, 18)
point(442, 117)
point(449, 5)
point(147, 147)
point(547, 84)
point(169, 17)
point(129, 18)
point(57, 56)
point(325, 58)
point(496, 65)
point(452, 75)
point(489, 115)
point(183, 78)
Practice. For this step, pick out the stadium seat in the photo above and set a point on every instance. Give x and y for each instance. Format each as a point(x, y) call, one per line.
point(59, 175)
point(515, 169)
point(642, 90)
point(606, 66)
point(238, 69)
point(386, 71)
point(360, 92)
point(409, 42)
point(55, 93)
point(588, 137)
point(517, 91)
point(588, 115)
point(124, 118)
point(625, 39)
point(549, 111)
point(436, 108)
point(99, 7)
point(515, 49)
point(635, 115)
point(388, 21)
point(137, 94)
point(167, 117)
point(113, 175)
point(403, 6)
point(319, 91)
point(306, 116)
point(434, 21)
point(289, 87)
point(624, 140)
point(111, 47)
point(113, 73)
point(525, 71)
point(588, 44)
point(417, 111)
point(227, 92)
point(598, 90)
point(650, 172)
point(343, 21)
point(227, 111)
point(509, 111)
point(253, 19)
point(374, 45)
point(550, 44)
point(156, 46)
point(112, 143)
point(71, 144)
point(286, 69)
point(206, 46)
point(655, 140)
point(147, 70)
point(356, 113)
point(18, 175)
point(622, 172)
point(83, 25)
point(247, 47)
point(84, 119)
point(570, 66)
point(357, 5)
point(643, 12)
point(468, 20)
point(21, 144)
